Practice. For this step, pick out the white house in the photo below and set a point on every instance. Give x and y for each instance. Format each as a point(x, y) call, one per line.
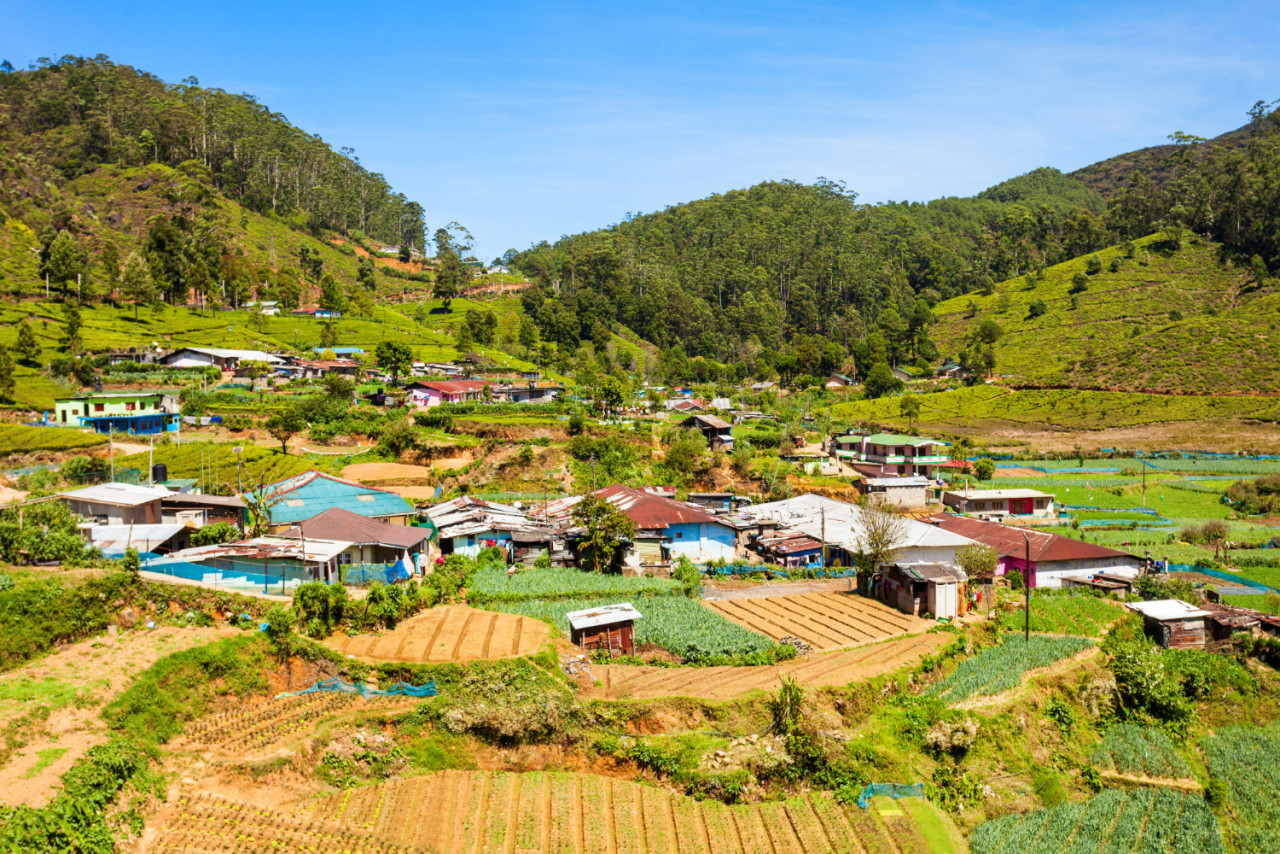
point(226, 360)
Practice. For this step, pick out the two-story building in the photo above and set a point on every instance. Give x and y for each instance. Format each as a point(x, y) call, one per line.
point(892, 453)
point(136, 412)
point(435, 392)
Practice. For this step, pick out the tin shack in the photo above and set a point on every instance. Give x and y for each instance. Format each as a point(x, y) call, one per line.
point(1172, 623)
point(610, 627)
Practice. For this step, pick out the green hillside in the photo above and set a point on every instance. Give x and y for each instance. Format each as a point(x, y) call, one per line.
point(1165, 320)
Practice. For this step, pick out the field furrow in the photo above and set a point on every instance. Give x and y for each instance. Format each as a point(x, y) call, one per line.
point(448, 633)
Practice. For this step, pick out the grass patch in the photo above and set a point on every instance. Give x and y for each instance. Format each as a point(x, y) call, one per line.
point(491, 584)
point(44, 759)
point(182, 687)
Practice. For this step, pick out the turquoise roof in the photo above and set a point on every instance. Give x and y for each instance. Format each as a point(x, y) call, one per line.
point(298, 498)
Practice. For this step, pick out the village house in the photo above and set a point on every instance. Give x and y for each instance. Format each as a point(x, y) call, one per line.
point(530, 391)
point(222, 359)
point(138, 413)
point(888, 454)
point(995, 504)
point(198, 510)
point(372, 541)
point(315, 311)
point(790, 548)
point(345, 352)
point(468, 525)
point(906, 493)
point(763, 385)
point(608, 627)
point(116, 503)
point(298, 498)
point(1053, 558)
point(279, 564)
point(665, 528)
point(839, 381)
point(115, 540)
point(719, 433)
point(951, 369)
point(428, 393)
point(840, 525)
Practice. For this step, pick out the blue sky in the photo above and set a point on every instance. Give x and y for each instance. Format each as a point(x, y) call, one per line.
point(525, 123)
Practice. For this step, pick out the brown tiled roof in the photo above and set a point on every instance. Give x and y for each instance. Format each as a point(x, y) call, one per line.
point(1008, 541)
point(338, 523)
point(650, 511)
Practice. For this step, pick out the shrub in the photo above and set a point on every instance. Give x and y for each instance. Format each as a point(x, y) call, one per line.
point(1037, 308)
point(1093, 265)
point(1079, 283)
point(1014, 578)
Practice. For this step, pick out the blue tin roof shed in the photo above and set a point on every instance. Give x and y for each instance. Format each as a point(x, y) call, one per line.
point(300, 497)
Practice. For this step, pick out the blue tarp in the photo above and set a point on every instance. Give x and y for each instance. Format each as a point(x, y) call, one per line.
point(339, 686)
point(890, 790)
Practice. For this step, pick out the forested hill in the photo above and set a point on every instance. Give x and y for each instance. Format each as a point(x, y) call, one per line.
point(802, 279)
point(68, 116)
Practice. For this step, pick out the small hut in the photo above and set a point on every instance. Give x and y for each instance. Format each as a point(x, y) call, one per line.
point(610, 627)
point(1173, 623)
point(926, 588)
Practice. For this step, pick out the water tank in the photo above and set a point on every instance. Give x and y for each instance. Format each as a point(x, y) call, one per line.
point(159, 473)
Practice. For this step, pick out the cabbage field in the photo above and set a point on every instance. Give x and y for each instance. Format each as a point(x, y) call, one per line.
point(1245, 759)
point(683, 626)
point(490, 584)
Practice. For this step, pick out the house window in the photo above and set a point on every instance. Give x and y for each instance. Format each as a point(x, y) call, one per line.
point(99, 407)
point(679, 535)
point(129, 407)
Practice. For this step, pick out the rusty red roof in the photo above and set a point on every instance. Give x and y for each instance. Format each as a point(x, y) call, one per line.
point(650, 511)
point(1008, 541)
point(453, 386)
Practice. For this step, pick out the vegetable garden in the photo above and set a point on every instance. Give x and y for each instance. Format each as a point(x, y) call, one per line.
point(1064, 611)
point(20, 439)
point(1000, 668)
point(1145, 821)
point(491, 584)
point(260, 725)
point(1132, 749)
point(683, 626)
point(1245, 759)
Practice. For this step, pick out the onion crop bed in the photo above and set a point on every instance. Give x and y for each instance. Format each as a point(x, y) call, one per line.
point(683, 626)
point(1059, 613)
point(490, 584)
point(1000, 668)
point(1132, 749)
point(1147, 821)
point(1246, 759)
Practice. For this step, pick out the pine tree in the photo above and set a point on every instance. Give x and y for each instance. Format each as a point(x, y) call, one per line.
point(27, 348)
point(71, 341)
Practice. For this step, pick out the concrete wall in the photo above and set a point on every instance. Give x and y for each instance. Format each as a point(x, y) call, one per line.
point(702, 541)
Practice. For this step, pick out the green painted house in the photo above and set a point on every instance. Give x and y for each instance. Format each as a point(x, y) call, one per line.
point(136, 412)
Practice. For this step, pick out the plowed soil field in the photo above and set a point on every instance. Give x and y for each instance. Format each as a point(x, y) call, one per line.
point(714, 683)
point(478, 812)
point(824, 620)
point(448, 633)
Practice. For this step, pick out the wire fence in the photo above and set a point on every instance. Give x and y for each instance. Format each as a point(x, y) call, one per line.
point(339, 686)
point(278, 577)
point(890, 790)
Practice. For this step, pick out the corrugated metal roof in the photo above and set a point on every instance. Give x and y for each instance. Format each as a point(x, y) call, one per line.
point(1167, 609)
point(1008, 541)
point(202, 500)
point(988, 494)
point(710, 421)
point(267, 548)
point(115, 539)
point(117, 494)
point(603, 616)
point(242, 355)
point(651, 511)
point(934, 572)
point(298, 498)
point(900, 439)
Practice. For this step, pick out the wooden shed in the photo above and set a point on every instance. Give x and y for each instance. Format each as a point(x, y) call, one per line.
point(610, 627)
point(1173, 623)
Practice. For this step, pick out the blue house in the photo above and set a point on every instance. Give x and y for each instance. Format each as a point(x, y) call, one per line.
point(340, 351)
point(667, 529)
point(296, 499)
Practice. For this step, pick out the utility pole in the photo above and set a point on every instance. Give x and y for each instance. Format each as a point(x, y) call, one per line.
point(1026, 585)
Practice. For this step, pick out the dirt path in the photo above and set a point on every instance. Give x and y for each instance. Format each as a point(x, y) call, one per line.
point(375, 472)
point(53, 705)
point(449, 633)
point(757, 590)
point(717, 683)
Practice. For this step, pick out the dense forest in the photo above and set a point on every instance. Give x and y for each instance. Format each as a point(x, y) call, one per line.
point(799, 280)
point(70, 115)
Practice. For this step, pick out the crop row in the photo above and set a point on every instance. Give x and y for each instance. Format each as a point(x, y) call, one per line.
point(214, 825)
point(491, 584)
point(1146, 821)
point(1078, 613)
point(1245, 757)
point(999, 668)
point(257, 725)
point(1133, 749)
point(683, 626)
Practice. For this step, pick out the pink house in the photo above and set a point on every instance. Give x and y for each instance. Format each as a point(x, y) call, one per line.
point(434, 393)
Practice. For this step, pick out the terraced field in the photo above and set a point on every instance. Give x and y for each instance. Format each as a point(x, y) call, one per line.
point(714, 683)
point(824, 620)
point(452, 812)
point(448, 633)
